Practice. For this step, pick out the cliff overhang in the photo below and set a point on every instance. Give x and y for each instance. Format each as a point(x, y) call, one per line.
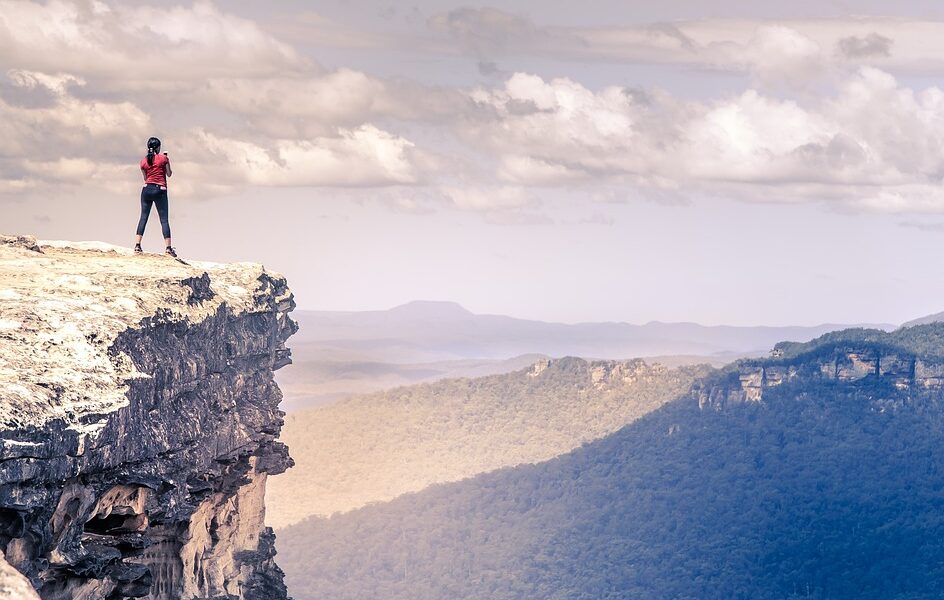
point(138, 421)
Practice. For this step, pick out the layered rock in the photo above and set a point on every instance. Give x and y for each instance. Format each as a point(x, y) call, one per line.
point(138, 422)
point(842, 362)
point(608, 373)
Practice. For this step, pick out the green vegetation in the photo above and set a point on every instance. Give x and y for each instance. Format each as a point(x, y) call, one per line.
point(921, 340)
point(376, 447)
point(826, 489)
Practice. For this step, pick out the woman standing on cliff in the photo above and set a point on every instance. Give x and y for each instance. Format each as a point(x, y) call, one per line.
point(156, 169)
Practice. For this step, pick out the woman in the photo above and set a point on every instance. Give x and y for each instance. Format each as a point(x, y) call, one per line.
point(156, 169)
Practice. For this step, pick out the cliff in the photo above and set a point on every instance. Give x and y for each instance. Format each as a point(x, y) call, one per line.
point(138, 422)
point(881, 361)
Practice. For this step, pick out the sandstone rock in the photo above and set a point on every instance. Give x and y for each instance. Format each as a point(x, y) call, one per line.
point(607, 373)
point(13, 585)
point(929, 374)
point(138, 422)
point(752, 381)
point(856, 365)
point(749, 379)
point(539, 367)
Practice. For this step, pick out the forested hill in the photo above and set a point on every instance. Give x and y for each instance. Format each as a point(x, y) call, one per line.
point(921, 340)
point(375, 447)
point(826, 486)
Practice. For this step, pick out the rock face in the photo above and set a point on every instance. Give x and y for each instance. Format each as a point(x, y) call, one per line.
point(844, 362)
point(13, 585)
point(138, 422)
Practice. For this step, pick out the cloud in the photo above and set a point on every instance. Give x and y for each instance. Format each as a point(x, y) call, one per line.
point(65, 124)
point(314, 104)
point(239, 107)
point(144, 43)
point(90, 81)
point(486, 31)
point(873, 145)
point(68, 140)
point(298, 106)
point(762, 47)
point(364, 156)
point(782, 56)
point(567, 133)
point(873, 44)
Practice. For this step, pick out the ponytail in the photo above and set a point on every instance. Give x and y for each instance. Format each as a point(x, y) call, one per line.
point(152, 145)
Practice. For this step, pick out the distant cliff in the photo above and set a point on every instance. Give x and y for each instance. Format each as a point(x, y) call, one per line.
point(906, 359)
point(138, 422)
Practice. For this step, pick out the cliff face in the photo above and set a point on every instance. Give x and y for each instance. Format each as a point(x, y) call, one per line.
point(748, 380)
point(138, 422)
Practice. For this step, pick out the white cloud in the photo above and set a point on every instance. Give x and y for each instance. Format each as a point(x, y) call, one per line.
point(93, 80)
point(313, 104)
point(783, 56)
point(82, 94)
point(356, 157)
point(66, 140)
point(547, 131)
point(873, 145)
point(64, 124)
point(140, 42)
point(342, 97)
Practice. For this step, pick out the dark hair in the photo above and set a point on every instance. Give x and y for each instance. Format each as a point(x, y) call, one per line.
point(152, 144)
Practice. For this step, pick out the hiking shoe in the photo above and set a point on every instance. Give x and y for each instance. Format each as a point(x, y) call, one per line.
point(137, 249)
point(169, 251)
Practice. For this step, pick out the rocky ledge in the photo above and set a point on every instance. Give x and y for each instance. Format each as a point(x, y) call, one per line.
point(138, 422)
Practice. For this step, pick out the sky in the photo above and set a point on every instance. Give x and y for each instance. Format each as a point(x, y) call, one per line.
point(720, 162)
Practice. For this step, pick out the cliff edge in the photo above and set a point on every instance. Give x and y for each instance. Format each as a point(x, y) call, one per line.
point(138, 422)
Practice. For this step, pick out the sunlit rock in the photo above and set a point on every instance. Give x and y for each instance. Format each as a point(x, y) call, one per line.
point(138, 422)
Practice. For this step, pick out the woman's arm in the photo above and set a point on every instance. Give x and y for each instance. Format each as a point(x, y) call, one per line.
point(167, 170)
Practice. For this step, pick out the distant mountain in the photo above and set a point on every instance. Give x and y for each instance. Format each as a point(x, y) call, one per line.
point(373, 448)
point(340, 354)
point(935, 318)
point(817, 474)
point(427, 311)
point(436, 331)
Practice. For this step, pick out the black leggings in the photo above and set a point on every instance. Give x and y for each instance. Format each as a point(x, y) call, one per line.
point(153, 194)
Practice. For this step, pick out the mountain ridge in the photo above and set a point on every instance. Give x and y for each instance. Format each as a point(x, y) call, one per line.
point(401, 335)
point(825, 486)
point(375, 447)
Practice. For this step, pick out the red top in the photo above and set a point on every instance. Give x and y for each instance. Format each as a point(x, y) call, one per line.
point(155, 173)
